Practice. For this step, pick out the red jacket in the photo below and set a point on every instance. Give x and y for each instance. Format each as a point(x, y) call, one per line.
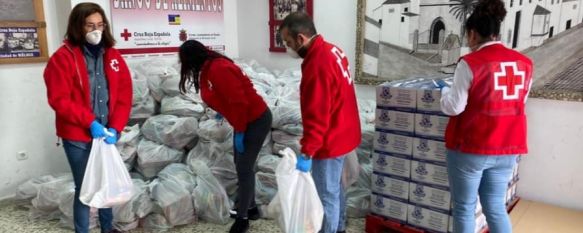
point(328, 103)
point(493, 122)
point(68, 91)
point(225, 88)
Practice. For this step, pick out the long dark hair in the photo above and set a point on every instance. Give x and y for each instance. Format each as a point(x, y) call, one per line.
point(76, 26)
point(193, 55)
point(486, 18)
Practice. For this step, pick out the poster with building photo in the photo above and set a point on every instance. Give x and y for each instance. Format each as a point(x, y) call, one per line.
point(19, 42)
point(404, 38)
point(157, 27)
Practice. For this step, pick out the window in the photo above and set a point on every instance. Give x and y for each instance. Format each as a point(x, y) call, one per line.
point(520, 3)
point(552, 2)
point(402, 19)
point(391, 10)
point(511, 3)
point(406, 9)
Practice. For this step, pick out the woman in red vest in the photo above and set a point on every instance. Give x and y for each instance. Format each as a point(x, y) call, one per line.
point(225, 88)
point(487, 127)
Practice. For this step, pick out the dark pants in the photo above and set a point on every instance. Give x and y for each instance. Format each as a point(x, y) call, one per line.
point(78, 155)
point(245, 163)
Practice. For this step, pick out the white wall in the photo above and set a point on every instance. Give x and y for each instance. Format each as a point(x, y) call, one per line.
point(26, 119)
point(337, 24)
point(552, 171)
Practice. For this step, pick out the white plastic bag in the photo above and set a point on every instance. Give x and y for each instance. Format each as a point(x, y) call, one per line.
point(296, 204)
point(351, 170)
point(106, 182)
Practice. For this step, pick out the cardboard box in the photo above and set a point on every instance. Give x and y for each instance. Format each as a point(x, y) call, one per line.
point(429, 173)
point(429, 219)
point(392, 120)
point(511, 193)
point(391, 164)
point(393, 143)
point(390, 185)
point(427, 149)
point(430, 126)
point(388, 207)
point(428, 195)
point(397, 97)
point(429, 100)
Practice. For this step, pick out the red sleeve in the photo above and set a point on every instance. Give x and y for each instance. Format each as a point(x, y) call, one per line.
point(227, 80)
point(316, 104)
point(123, 104)
point(59, 76)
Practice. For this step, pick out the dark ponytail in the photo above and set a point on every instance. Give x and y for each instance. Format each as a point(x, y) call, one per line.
point(193, 55)
point(486, 18)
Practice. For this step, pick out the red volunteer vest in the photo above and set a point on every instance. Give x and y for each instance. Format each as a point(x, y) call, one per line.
point(493, 122)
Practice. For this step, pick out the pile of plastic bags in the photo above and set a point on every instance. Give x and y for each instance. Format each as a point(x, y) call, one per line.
point(180, 157)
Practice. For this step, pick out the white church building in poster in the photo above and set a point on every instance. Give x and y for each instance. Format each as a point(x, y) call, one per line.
point(422, 26)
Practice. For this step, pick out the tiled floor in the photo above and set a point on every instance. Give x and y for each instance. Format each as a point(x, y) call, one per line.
point(14, 218)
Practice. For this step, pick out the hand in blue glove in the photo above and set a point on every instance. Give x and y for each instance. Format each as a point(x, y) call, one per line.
point(304, 163)
point(239, 146)
point(111, 138)
point(219, 117)
point(97, 130)
point(439, 83)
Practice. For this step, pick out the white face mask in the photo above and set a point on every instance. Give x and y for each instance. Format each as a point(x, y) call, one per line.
point(292, 53)
point(93, 37)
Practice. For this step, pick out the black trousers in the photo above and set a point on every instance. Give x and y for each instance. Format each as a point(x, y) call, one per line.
point(245, 163)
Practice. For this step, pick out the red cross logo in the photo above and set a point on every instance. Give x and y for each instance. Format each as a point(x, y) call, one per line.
point(509, 80)
point(126, 34)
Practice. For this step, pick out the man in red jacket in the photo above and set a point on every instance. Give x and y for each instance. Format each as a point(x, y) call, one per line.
point(329, 114)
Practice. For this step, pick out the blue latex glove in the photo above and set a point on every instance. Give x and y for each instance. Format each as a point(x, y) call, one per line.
point(97, 130)
point(304, 163)
point(112, 138)
point(219, 117)
point(439, 83)
point(239, 146)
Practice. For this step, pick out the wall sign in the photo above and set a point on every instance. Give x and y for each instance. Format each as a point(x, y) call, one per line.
point(22, 32)
point(278, 10)
point(160, 26)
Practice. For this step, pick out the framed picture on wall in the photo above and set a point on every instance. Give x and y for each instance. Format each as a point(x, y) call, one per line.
point(278, 10)
point(22, 32)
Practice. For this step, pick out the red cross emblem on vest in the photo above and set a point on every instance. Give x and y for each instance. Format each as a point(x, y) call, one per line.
point(509, 80)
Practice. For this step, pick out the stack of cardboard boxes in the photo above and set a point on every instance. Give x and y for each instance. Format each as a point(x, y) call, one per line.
point(410, 179)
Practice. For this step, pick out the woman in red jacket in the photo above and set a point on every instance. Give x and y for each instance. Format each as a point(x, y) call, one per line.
point(225, 88)
point(89, 87)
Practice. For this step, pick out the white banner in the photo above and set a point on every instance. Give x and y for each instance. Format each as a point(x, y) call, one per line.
point(160, 26)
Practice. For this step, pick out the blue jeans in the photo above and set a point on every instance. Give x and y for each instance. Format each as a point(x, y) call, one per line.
point(327, 175)
point(78, 155)
point(488, 176)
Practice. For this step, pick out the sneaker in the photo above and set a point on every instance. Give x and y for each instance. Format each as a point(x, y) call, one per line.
point(252, 213)
point(115, 231)
point(240, 226)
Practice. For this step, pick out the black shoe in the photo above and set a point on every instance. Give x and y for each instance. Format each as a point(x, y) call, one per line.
point(240, 226)
point(115, 231)
point(341, 232)
point(252, 213)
